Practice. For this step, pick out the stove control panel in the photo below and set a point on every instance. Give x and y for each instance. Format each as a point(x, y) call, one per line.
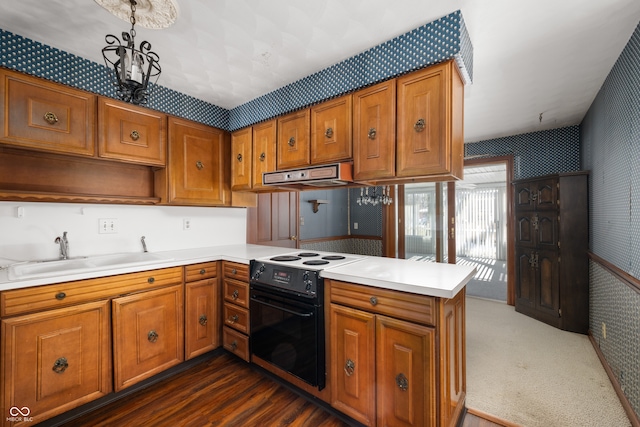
point(291, 279)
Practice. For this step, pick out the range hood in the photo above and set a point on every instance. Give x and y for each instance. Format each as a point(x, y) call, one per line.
point(330, 175)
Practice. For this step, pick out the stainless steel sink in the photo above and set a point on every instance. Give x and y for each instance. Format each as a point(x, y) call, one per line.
point(36, 269)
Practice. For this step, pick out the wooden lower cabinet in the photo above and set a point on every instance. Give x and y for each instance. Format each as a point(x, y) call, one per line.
point(390, 369)
point(385, 373)
point(202, 309)
point(54, 361)
point(148, 334)
point(235, 309)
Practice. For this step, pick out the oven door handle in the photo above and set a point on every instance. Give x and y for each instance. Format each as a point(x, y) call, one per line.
point(295, 313)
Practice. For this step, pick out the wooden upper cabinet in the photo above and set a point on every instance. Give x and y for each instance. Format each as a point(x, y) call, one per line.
point(241, 159)
point(293, 142)
point(199, 171)
point(264, 151)
point(331, 131)
point(374, 132)
point(46, 116)
point(130, 133)
point(430, 122)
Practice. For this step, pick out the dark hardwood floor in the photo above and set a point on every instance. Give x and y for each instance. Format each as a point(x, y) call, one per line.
point(219, 391)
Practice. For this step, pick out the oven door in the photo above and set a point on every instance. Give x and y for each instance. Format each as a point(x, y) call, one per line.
point(288, 332)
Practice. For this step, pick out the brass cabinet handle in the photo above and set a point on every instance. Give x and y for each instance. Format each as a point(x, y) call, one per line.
point(234, 271)
point(60, 296)
point(349, 367)
point(152, 336)
point(419, 126)
point(50, 118)
point(293, 238)
point(262, 157)
point(239, 157)
point(402, 382)
point(234, 345)
point(292, 141)
point(199, 165)
point(60, 365)
point(151, 280)
point(135, 135)
point(202, 319)
point(202, 271)
point(373, 301)
point(235, 294)
point(233, 319)
point(328, 133)
point(372, 133)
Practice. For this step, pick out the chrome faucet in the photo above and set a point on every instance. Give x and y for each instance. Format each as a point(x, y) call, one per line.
point(64, 245)
point(144, 245)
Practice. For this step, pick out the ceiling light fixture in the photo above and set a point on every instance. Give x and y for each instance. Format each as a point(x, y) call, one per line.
point(133, 68)
point(375, 198)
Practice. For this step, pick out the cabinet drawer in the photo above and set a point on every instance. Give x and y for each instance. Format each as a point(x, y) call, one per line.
point(236, 292)
point(234, 270)
point(236, 317)
point(401, 305)
point(29, 300)
point(236, 343)
point(205, 270)
point(42, 115)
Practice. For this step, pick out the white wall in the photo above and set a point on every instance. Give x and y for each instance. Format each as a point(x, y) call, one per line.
point(32, 235)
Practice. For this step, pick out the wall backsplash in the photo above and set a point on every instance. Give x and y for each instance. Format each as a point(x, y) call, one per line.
point(611, 151)
point(32, 236)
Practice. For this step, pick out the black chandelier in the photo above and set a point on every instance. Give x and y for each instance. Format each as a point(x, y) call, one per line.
point(133, 67)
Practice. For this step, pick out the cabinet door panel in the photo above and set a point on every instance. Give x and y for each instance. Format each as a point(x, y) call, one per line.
point(331, 131)
point(374, 131)
point(547, 194)
point(148, 334)
point(130, 133)
point(525, 279)
point(405, 375)
point(202, 317)
point(547, 233)
point(294, 133)
point(264, 151)
point(198, 163)
point(353, 363)
point(46, 116)
point(525, 234)
point(56, 360)
point(548, 299)
point(421, 146)
point(241, 156)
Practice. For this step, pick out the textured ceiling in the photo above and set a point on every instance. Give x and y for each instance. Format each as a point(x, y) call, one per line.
point(530, 57)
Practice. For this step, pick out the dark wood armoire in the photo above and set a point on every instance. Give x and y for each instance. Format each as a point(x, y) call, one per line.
point(552, 240)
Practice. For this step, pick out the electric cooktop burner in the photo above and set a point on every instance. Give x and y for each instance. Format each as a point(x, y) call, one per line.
point(316, 262)
point(333, 257)
point(285, 258)
point(307, 254)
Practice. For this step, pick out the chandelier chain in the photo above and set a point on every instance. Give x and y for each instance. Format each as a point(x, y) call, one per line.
point(133, 17)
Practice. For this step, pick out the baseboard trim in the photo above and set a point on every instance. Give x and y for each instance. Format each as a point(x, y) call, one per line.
point(631, 414)
point(491, 418)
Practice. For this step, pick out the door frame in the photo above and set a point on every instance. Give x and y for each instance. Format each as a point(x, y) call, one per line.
point(511, 266)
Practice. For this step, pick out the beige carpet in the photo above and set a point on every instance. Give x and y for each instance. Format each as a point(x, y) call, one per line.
point(529, 373)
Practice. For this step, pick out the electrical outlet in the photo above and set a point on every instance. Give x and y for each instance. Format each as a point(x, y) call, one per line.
point(301, 220)
point(604, 330)
point(186, 224)
point(355, 225)
point(107, 226)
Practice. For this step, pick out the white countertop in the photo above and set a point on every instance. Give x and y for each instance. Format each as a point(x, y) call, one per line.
point(426, 278)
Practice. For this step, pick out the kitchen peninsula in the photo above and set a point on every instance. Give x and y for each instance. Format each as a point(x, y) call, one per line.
point(413, 316)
